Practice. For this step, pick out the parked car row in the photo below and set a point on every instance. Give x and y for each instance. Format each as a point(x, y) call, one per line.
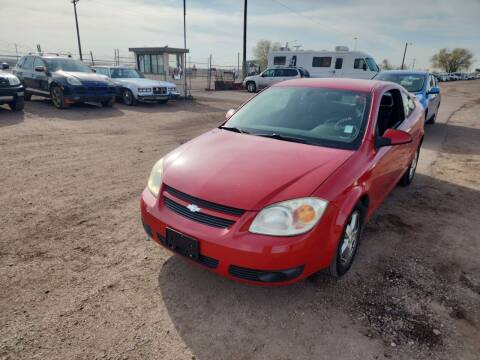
point(457, 76)
point(67, 81)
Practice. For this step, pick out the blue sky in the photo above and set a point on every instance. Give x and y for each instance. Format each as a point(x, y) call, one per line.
point(215, 26)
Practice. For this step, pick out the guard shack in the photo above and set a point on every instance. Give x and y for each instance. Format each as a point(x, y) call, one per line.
point(162, 63)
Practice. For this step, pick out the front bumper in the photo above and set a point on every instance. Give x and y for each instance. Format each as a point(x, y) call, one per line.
point(236, 253)
point(152, 97)
point(89, 93)
point(10, 93)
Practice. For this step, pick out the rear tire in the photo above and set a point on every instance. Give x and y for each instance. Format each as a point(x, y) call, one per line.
point(348, 243)
point(407, 178)
point(251, 87)
point(108, 103)
point(17, 105)
point(433, 119)
point(58, 100)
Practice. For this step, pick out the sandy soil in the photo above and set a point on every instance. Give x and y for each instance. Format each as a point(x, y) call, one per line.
point(79, 280)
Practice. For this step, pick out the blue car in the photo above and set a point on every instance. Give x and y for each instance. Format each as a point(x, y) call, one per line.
point(423, 85)
point(64, 80)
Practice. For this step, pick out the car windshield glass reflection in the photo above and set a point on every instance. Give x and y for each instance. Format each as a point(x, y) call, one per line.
point(413, 83)
point(325, 117)
point(125, 74)
point(67, 65)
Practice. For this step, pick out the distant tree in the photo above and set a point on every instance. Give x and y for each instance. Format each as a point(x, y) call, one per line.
point(262, 49)
point(385, 65)
point(452, 61)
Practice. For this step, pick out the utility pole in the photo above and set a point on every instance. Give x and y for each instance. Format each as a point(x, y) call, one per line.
point(404, 52)
point(413, 65)
point(185, 47)
point(356, 40)
point(74, 2)
point(244, 60)
point(91, 57)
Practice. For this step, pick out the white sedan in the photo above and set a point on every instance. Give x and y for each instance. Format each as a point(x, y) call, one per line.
point(135, 87)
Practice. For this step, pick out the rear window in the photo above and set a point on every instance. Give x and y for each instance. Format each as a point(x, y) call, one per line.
point(323, 61)
point(279, 60)
point(323, 117)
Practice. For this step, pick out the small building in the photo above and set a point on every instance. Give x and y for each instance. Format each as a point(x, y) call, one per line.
point(161, 63)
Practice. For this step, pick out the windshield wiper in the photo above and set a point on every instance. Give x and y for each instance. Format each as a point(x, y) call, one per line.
point(234, 129)
point(283, 137)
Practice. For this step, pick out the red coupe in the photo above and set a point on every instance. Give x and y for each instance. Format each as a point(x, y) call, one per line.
point(284, 187)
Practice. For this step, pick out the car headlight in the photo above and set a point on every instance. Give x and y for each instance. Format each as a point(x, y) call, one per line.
point(172, 89)
point(144, 90)
point(155, 179)
point(290, 217)
point(13, 80)
point(73, 81)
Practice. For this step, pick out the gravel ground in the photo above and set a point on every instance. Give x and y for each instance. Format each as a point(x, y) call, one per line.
point(80, 281)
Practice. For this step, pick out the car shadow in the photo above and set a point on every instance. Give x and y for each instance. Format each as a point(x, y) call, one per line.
point(462, 139)
point(172, 106)
point(80, 111)
point(320, 317)
point(9, 117)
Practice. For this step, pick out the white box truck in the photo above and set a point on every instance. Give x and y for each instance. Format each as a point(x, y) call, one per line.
point(322, 64)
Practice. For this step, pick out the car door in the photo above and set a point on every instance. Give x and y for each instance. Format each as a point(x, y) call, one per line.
point(26, 73)
point(267, 78)
point(40, 78)
point(388, 163)
point(432, 98)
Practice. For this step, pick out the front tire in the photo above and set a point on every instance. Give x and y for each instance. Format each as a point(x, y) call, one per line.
point(348, 244)
point(58, 100)
point(251, 87)
point(17, 105)
point(128, 98)
point(407, 178)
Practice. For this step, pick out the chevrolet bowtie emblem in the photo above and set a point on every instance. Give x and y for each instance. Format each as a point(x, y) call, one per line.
point(193, 208)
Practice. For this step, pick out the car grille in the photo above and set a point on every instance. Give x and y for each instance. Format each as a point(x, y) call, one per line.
point(204, 260)
point(265, 275)
point(197, 216)
point(203, 203)
point(159, 90)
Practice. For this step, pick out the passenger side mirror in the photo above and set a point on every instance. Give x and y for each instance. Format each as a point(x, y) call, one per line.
point(229, 113)
point(40, 69)
point(393, 137)
point(5, 66)
point(434, 90)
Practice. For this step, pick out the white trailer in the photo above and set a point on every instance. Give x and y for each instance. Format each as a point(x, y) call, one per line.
point(321, 64)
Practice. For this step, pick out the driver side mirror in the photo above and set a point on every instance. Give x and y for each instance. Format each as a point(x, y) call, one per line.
point(40, 69)
point(229, 113)
point(393, 137)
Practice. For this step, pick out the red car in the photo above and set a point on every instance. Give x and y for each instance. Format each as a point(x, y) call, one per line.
point(284, 187)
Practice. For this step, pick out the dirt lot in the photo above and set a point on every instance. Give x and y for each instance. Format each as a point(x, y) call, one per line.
point(79, 280)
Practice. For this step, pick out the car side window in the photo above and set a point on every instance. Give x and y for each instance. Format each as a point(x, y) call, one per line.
point(290, 72)
point(279, 73)
point(268, 73)
point(38, 62)
point(391, 112)
point(408, 104)
point(28, 63)
point(338, 63)
point(432, 82)
point(359, 64)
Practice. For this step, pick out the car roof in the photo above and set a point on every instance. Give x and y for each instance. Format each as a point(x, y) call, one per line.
point(358, 85)
point(406, 72)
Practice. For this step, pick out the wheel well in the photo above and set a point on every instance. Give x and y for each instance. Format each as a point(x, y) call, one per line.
point(365, 201)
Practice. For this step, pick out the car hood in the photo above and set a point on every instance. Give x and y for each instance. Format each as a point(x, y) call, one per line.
point(141, 82)
point(249, 172)
point(85, 76)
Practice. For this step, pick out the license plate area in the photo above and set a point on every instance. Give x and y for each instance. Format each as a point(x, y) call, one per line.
point(182, 244)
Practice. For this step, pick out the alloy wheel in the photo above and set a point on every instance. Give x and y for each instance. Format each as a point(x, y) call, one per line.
point(350, 238)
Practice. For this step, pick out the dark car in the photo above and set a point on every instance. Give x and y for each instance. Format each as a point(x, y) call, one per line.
point(11, 91)
point(64, 80)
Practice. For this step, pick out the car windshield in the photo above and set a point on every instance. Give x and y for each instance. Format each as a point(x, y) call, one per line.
point(411, 82)
point(372, 65)
point(67, 65)
point(126, 74)
point(317, 116)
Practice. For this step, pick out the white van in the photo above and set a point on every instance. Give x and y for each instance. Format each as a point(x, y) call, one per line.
point(321, 64)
